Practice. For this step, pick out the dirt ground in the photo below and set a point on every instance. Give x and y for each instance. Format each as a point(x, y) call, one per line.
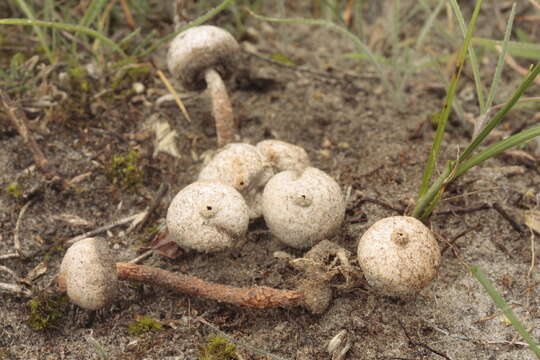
point(352, 129)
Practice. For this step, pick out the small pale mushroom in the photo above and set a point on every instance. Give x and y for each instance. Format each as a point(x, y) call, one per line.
point(241, 166)
point(88, 274)
point(399, 256)
point(207, 217)
point(303, 208)
point(283, 156)
point(203, 56)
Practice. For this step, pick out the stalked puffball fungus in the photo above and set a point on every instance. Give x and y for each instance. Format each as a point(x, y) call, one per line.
point(241, 166)
point(283, 156)
point(303, 208)
point(203, 56)
point(399, 256)
point(88, 273)
point(207, 217)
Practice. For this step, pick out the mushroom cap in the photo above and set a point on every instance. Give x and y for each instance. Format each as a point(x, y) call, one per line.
point(399, 255)
point(283, 156)
point(301, 209)
point(241, 166)
point(198, 49)
point(207, 217)
point(90, 274)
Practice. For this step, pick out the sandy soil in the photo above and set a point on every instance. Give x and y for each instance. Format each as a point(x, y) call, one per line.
point(352, 129)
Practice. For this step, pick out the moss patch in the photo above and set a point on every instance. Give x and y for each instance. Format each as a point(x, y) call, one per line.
point(46, 311)
point(143, 324)
point(217, 348)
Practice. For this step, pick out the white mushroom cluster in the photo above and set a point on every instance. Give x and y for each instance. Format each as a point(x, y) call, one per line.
point(301, 205)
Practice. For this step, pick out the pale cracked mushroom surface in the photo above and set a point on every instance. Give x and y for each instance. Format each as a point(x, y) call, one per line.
point(283, 156)
point(241, 166)
point(207, 217)
point(399, 256)
point(89, 274)
point(303, 208)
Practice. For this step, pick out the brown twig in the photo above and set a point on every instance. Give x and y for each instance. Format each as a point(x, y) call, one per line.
point(16, 238)
point(380, 203)
point(458, 236)
point(19, 120)
point(163, 188)
point(256, 297)
point(508, 218)
point(463, 210)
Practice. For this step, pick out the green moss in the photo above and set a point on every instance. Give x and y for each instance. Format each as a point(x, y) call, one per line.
point(124, 171)
point(143, 324)
point(14, 190)
point(79, 78)
point(46, 311)
point(218, 348)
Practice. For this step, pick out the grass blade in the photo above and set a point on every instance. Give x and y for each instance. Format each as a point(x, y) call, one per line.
point(500, 61)
point(445, 113)
point(66, 27)
point(499, 301)
point(501, 113)
point(363, 48)
point(40, 34)
point(472, 57)
point(200, 20)
point(523, 50)
point(92, 12)
point(497, 148)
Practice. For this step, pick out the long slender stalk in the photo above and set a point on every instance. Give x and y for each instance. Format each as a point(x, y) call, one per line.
point(500, 61)
point(359, 43)
point(472, 57)
point(40, 34)
point(66, 27)
point(499, 301)
point(501, 113)
point(200, 20)
point(445, 113)
point(497, 148)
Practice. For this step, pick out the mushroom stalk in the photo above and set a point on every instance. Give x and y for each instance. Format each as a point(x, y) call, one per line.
point(256, 297)
point(221, 107)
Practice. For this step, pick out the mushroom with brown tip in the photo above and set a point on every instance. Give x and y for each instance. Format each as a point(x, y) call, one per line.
point(303, 208)
point(207, 217)
point(88, 274)
point(399, 256)
point(203, 56)
point(241, 166)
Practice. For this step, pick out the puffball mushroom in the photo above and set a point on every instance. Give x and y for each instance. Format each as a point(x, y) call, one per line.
point(303, 208)
point(207, 217)
point(399, 256)
point(241, 166)
point(88, 273)
point(201, 56)
point(283, 156)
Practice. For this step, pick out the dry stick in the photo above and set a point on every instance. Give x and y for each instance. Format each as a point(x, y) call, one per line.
point(127, 14)
point(256, 297)
point(508, 218)
point(9, 256)
point(19, 120)
point(16, 238)
point(16, 289)
point(102, 229)
point(221, 108)
point(153, 206)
